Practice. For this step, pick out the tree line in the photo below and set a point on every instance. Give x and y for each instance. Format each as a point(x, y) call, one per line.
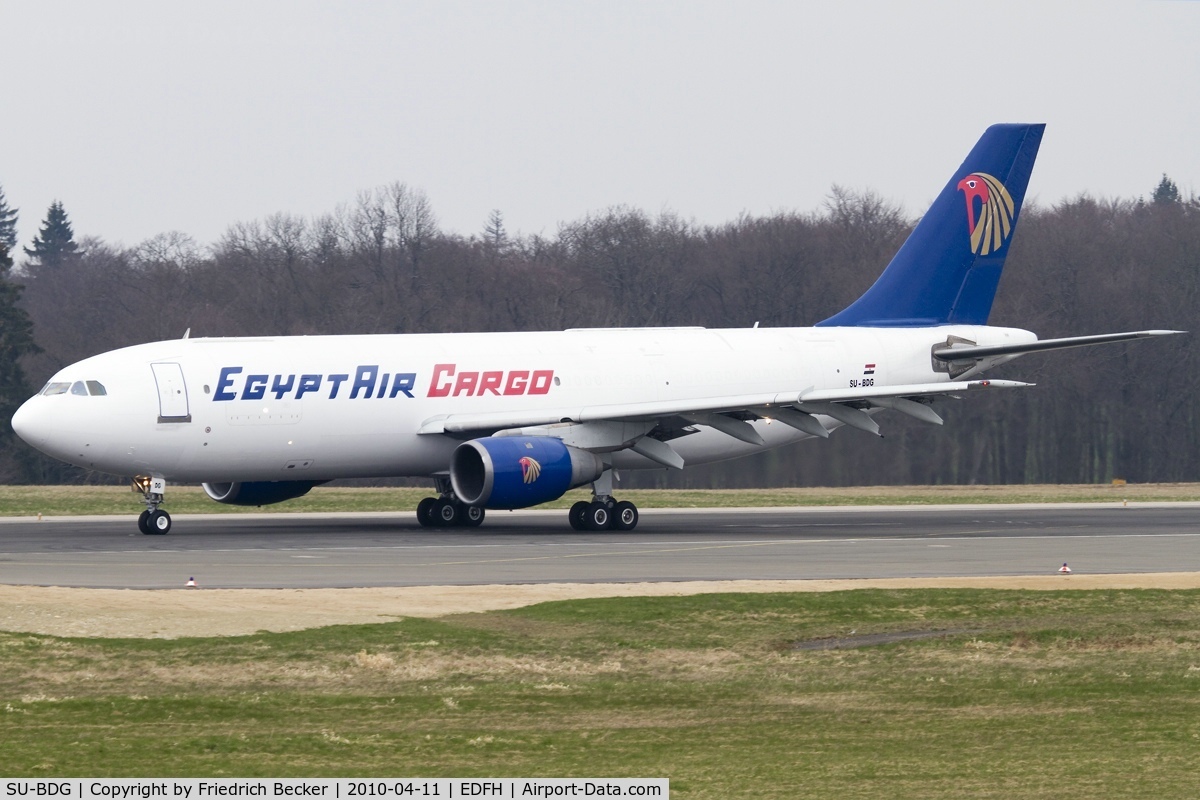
point(382, 264)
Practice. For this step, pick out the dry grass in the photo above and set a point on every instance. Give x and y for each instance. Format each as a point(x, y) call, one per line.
point(1102, 685)
point(178, 613)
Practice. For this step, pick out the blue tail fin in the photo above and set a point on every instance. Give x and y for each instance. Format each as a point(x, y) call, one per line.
point(948, 269)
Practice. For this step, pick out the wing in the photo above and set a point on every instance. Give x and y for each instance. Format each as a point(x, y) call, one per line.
point(647, 427)
point(641, 412)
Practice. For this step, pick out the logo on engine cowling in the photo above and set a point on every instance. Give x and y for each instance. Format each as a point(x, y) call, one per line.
point(530, 469)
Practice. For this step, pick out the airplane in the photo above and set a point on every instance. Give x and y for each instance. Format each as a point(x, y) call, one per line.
point(512, 420)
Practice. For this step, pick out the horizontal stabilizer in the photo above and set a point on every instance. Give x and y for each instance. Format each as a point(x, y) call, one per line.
point(969, 352)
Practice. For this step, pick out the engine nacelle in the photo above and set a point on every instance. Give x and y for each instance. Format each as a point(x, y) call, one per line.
point(257, 493)
point(519, 471)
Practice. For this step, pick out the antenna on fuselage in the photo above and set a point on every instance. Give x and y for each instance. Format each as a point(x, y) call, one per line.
point(187, 333)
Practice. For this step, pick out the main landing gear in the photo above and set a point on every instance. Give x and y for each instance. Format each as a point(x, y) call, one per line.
point(153, 521)
point(604, 513)
point(447, 511)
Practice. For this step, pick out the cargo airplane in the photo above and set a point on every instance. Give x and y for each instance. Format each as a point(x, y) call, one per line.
point(511, 420)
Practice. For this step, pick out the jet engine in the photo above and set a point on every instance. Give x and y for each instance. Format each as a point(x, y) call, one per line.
point(257, 493)
point(519, 471)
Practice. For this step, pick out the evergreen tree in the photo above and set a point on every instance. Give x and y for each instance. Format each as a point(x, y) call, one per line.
point(1166, 192)
point(16, 341)
point(494, 232)
point(55, 243)
point(8, 228)
point(495, 237)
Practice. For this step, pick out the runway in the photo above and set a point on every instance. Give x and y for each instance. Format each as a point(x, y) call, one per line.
point(368, 550)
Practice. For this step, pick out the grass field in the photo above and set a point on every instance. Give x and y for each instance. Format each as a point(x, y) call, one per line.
point(1013, 694)
point(74, 500)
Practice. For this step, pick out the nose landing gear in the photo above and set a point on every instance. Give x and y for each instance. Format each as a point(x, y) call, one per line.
point(153, 521)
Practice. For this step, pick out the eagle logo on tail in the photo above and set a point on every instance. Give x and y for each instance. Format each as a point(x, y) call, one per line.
point(996, 212)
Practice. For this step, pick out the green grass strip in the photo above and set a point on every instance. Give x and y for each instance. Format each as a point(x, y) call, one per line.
point(26, 501)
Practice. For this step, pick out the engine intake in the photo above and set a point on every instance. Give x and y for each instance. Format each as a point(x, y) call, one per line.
point(519, 471)
point(257, 493)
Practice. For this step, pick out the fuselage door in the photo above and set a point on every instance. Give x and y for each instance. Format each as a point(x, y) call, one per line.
point(172, 393)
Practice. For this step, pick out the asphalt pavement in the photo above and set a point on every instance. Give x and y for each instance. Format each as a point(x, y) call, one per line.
point(332, 550)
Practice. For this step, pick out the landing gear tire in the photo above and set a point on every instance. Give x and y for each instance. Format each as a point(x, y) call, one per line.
point(446, 513)
point(578, 515)
point(157, 522)
point(625, 516)
point(153, 521)
point(598, 516)
point(471, 516)
point(425, 510)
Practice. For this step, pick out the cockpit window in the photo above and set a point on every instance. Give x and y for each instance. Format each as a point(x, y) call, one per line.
point(79, 388)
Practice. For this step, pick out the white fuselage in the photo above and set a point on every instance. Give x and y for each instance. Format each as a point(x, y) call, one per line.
point(317, 408)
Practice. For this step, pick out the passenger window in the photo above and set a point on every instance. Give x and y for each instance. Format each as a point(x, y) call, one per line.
point(78, 388)
point(55, 388)
point(96, 389)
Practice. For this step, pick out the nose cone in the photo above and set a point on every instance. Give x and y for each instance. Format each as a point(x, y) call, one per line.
point(31, 422)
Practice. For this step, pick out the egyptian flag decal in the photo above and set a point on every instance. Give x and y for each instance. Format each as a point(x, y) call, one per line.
point(869, 369)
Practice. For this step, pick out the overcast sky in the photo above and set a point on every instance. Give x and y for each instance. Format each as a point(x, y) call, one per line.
point(148, 117)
